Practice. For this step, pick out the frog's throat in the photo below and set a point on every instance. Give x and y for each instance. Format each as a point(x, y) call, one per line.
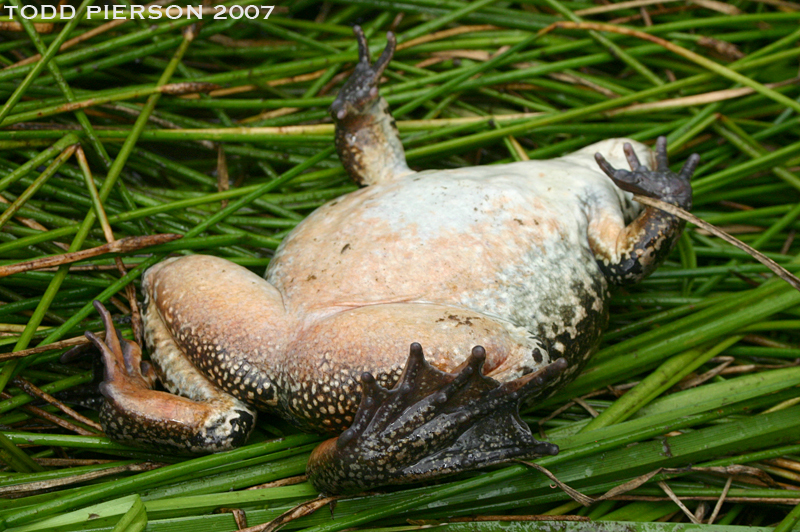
point(430, 424)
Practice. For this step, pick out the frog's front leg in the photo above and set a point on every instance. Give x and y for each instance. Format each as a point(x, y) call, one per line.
point(208, 421)
point(366, 134)
point(643, 244)
point(429, 425)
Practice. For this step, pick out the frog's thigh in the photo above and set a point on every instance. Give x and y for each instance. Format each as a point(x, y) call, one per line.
point(207, 312)
point(175, 371)
point(377, 338)
point(228, 322)
point(332, 353)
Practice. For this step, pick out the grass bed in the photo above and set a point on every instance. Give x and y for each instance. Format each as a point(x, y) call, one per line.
point(695, 383)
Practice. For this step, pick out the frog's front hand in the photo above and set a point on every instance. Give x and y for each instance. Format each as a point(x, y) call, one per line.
point(366, 135)
point(430, 424)
point(361, 88)
point(136, 414)
point(660, 183)
point(643, 244)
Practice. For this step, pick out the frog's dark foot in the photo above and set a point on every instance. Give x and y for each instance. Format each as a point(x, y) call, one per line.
point(647, 240)
point(430, 424)
point(361, 88)
point(136, 414)
point(660, 183)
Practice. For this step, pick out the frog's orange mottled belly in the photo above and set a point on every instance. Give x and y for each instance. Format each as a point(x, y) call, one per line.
point(498, 252)
point(489, 245)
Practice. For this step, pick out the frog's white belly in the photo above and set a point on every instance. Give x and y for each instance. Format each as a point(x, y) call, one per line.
point(511, 245)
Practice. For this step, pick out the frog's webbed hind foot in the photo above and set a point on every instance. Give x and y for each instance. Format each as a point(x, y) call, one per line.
point(646, 241)
point(366, 135)
point(134, 413)
point(660, 182)
point(430, 424)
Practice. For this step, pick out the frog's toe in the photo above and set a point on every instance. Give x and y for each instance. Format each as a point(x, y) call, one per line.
point(122, 359)
point(361, 88)
point(134, 413)
point(431, 424)
point(660, 182)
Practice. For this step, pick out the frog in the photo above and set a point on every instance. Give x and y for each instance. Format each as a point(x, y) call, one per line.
point(413, 316)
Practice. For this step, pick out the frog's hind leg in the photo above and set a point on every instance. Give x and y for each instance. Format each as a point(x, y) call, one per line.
point(431, 424)
point(637, 249)
point(207, 421)
point(366, 135)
